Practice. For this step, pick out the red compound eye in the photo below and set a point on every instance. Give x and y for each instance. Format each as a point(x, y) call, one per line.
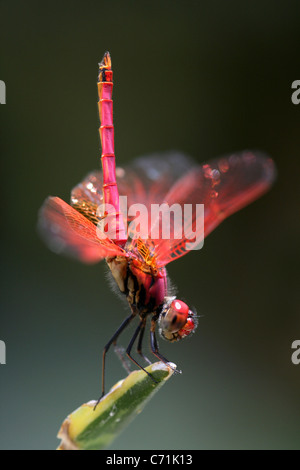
point(188, 328)
point(180, 307)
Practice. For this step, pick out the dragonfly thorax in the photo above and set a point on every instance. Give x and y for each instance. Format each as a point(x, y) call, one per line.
point(145, 290)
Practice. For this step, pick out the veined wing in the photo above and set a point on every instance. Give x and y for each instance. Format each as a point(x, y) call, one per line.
point(67, 231)
point(146, 180)
point(224, 186)
point(156, 173)
point(72, 230)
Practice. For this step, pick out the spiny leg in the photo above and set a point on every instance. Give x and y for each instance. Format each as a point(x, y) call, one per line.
point(139, 346)
point(113, 339)
point(154, 346)
point(128, 350)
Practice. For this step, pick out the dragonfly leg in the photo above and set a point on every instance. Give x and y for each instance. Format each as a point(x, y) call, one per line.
point(139, 346)
point(154, 346)
point(128, 350)
point(112, 340)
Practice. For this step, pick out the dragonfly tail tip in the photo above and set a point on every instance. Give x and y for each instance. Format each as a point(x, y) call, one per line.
point(106, 61)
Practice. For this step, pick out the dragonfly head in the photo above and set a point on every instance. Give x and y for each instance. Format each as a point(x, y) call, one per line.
point(176, 320)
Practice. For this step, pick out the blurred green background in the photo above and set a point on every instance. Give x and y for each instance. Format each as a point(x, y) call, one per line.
point(203, 77)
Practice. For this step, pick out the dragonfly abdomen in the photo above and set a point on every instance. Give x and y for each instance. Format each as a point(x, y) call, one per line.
point(110, 189)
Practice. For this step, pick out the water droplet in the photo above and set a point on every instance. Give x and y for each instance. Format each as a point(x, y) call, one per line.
point(223, 165)
point(216, 174)
point(120, 172)
point(207, 171)
point(215, 177)
point(152, 173)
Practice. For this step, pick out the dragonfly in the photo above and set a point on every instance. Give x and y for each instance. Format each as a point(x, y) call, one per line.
point(94, 226)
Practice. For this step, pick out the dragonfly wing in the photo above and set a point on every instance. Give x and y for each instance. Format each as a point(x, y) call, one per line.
point(145, 181)
point(90, 189)
point(73, 229)
point(157, 174)
point(224, 186)
point(67, 231)
point(150, 179)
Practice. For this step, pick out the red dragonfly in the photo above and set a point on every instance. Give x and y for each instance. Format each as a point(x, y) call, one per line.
point(138, 264)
